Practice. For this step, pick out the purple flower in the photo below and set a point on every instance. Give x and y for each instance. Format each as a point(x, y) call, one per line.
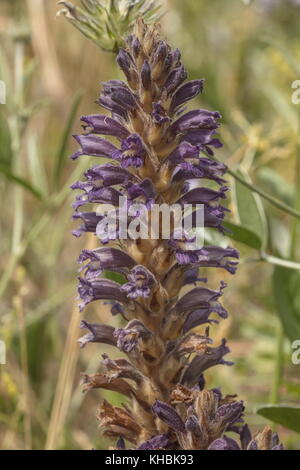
point(102, 124)
point(108, 175)
point(162, 441)
point(90, 222)
point(132, 152)
point(185, 93)
point(128, 338)
point(167, 414)
point(99, 289)
point(201, 316)
point(196, 120)
point(175, 79)
point(140, 282)
point(226, 443)
point(94, 146)
point(97, 334)
point(102, 259)
point(202, 196)
point(211, 357)
point(159, 114)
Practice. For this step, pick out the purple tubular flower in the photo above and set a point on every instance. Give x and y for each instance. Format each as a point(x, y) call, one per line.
point(201, 316)
point(202, 196)
point(132, 152)
point(120, 95)
point(192, 426)
point(143, 191)
point(185, 93)
point(167, 414)
point(162, 441)
point(204, 137)
point(146, 75)
point(93, 146)
point(126, 63)
point(209, 256)
point(159, 114)
point(97, 195)
point(196, 298)
point(160, 53)
point(230, 413)
point(140, 282)
point(124, 59)
point(102, 124)
point(183, 151)
point(175, 79)
point(174, 58)
point(108, 175)
point(90, 222)
point(128, 338)
point(186, 256)
point(191, 276)
point(102, 259)
point(97, 334)
point(213, 217)
point(204, 168)
point(99, 289)
point(226, 443)
point(204, 361)
point(106, 102)
point(197, 119)
point(217, 258)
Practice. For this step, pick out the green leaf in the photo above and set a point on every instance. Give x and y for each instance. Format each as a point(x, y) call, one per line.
point(287, 416)
point(63, 145)
point(276, 184)
point(243, 235)
point(5, 139)
point(250, 210)
point(20, 181)
point(288, 309)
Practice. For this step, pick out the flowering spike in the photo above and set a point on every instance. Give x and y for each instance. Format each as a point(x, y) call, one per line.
point(161, 155)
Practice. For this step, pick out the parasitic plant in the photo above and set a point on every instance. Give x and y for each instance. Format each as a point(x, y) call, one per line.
point(160, 154)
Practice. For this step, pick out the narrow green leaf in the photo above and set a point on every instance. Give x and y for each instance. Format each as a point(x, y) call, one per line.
point(63, 145)
point(287, 416)
point(276, 184)
point(20, 181)
point(5, 139)
point(284, 291)
point(250, 210)
point(243, 234)
point(275, 202)
point(37, 170)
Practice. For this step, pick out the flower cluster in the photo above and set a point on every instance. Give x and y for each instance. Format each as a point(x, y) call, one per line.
point(105, 22)
point(159, 153)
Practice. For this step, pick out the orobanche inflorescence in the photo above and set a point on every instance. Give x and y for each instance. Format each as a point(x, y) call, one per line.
point(160, 153)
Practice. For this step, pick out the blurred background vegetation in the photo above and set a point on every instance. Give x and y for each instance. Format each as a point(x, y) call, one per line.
point(249, 54)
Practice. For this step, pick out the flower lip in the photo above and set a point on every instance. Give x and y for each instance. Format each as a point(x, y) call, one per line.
point(132, 152)
point(97, 334)
point(140, 283)
point(103, 124)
